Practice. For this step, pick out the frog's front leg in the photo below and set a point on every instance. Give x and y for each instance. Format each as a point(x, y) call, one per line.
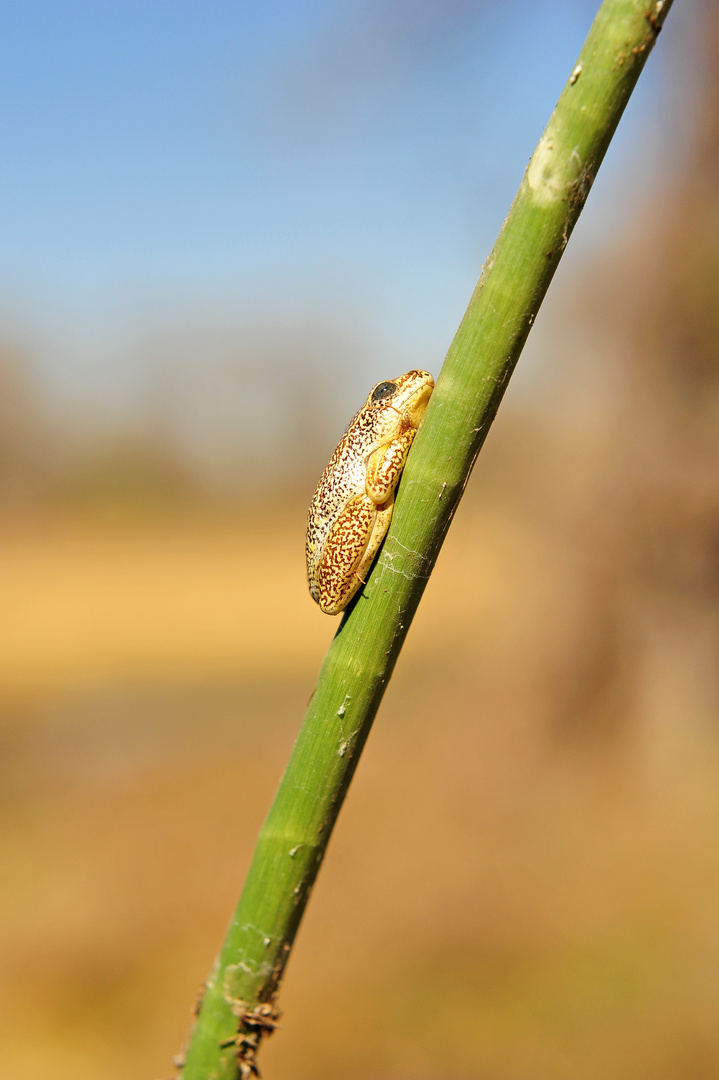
point(385, 464)
point(351, 545)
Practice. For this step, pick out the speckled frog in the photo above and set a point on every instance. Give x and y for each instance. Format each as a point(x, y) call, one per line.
point(352, 506)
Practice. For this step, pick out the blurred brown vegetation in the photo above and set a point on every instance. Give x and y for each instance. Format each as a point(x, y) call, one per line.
point(524, 882)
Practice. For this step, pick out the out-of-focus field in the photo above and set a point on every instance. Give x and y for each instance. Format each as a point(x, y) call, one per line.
point(524, 881)
point(88, 603)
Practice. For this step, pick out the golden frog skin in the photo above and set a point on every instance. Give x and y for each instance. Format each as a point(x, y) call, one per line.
point(352, 506)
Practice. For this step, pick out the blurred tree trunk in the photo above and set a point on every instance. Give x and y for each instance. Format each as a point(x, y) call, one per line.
point(649, 528)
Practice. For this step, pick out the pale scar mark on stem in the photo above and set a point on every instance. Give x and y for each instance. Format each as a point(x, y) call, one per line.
point(549, 173)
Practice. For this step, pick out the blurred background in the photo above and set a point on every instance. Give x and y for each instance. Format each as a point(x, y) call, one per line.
point(222, 223)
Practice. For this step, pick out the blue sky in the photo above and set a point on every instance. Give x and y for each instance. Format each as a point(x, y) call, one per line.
point(224, 166)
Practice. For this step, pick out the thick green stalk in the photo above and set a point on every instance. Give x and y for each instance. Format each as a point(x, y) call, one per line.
point(238, 1006)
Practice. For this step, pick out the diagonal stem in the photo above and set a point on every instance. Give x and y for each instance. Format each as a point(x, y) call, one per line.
point(239, 1002)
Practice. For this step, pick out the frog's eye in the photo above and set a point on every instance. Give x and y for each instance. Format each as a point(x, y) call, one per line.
point(383, 391)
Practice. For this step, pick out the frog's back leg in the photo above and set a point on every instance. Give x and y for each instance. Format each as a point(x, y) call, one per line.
point(351, 546)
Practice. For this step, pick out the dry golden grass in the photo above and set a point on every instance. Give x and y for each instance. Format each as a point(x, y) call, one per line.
point(523, 883)
point(87, 603)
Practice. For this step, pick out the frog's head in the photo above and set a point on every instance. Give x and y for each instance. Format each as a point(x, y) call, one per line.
point(406, 395)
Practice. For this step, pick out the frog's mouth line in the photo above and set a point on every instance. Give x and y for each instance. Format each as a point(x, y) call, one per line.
point(416, 406)
point(421, 398)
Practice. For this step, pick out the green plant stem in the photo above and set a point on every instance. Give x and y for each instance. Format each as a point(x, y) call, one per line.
point(242, 988)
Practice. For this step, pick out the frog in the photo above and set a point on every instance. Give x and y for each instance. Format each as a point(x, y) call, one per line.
point(352, 507)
